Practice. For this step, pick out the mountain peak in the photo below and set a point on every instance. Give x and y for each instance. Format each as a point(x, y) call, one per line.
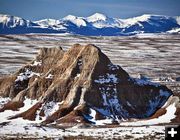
point(9, 17)
point(78, 21)
point(69, 17)
point(13, 21)
point(97, 16)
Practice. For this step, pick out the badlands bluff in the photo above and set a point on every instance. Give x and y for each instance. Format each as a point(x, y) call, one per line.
point(81, 85)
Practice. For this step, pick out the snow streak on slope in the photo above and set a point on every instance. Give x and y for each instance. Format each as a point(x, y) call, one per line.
point(136, 20)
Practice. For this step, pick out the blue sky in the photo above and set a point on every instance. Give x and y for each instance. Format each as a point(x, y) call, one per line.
point(39, 9)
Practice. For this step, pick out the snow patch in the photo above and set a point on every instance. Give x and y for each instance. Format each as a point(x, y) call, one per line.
point(50, 76)
point(3, 101)
point(108, 78)
point(80, 62)
point(50, 107)
point(36, 63)
point(175, 30)
point(166, 118)
point(142, 82)
point(113, 67)
point(26, 75)
point(92, 119)
point(28, 103)
point(129, 104)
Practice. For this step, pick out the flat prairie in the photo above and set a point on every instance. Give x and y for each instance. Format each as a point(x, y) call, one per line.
point(153, 56)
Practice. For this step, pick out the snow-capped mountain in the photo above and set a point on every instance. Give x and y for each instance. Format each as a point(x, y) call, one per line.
point(50, 23)
point(13, 22)
point(97, 17)
point(78, 21)
point(96, 24)
point(16, 25)
point(47, 22)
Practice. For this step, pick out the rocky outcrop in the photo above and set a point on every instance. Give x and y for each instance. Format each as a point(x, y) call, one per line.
point(83, 85)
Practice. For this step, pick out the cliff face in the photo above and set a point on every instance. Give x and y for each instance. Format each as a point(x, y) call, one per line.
point(83, 85)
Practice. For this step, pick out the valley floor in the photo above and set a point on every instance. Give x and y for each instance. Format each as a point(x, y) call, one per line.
point(32, 132)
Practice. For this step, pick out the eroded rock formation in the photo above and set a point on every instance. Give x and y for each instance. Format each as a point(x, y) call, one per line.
point(83, 85)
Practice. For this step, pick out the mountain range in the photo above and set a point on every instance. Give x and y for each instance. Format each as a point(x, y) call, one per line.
point(94, 25)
